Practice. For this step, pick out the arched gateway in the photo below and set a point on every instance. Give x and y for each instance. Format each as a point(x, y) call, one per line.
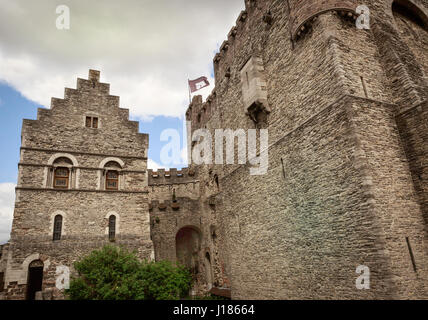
point(35, 279)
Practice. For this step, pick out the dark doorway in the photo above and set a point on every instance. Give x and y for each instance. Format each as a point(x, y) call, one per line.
point(35, 279)
point(187, 244)
point(1, 281)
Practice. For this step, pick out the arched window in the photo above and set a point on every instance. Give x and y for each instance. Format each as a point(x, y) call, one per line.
point(112, 180)
point(61, 176)
point(57, 227)
point(112, 228)
point(112, 175)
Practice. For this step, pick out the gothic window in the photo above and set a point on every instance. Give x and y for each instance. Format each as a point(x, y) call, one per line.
point(61, 178)
point(57, 228)
point(112, 180)
point(92, 122)
point(112, 228)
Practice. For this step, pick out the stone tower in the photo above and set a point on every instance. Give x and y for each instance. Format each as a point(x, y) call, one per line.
point(346, 186)
point(82, 183)
point(346, 110)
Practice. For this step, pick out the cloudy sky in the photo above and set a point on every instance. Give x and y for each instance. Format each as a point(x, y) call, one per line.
point(146, 50)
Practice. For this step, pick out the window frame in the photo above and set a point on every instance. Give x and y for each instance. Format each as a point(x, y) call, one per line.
point(92, 122)
point(107, 179)
point(58, 177)
point(112, 227)
point(57, 227)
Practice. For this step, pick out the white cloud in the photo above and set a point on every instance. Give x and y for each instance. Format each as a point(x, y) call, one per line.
point(7, 201)
point(146, 49)
point(151, 164)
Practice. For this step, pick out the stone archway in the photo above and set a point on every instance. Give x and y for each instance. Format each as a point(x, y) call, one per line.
point(188, 246)
point(35, 279)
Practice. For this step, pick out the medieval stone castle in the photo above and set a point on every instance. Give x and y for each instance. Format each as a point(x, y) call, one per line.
point(347, 181)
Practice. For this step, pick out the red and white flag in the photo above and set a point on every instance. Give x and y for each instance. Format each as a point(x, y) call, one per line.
point(198, 84)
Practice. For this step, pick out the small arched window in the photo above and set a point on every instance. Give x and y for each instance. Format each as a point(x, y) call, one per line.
point(61, 173)
point(112, 228)
point(112, 175)
point(57, 228)
point(61, 178)
point(112, 180)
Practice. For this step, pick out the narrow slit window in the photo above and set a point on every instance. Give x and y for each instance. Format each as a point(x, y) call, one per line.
point(412, 257)
point(363, 82)
point(57, 228)
point(112, 228)
point(1, 281)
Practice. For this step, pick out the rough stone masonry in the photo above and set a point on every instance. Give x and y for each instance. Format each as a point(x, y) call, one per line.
point(347, 115)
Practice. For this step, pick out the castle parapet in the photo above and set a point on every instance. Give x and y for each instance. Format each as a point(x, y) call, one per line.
point(171, 176)
point(199, 113)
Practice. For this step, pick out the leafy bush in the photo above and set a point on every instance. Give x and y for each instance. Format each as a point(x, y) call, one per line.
point(165, 281)
point(114, 273)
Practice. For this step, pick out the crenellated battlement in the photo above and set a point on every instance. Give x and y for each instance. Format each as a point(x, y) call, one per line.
point(199, 113)
point(171, 176)
point(256, 12)
point(222, 58)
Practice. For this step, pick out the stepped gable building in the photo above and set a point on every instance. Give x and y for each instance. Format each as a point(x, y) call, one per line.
point(82, 183)
point(346, 186)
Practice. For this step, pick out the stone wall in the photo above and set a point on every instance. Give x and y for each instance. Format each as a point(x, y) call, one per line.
point(345, 185)
point(179, 208)
point(346, 112)
point(85, 205)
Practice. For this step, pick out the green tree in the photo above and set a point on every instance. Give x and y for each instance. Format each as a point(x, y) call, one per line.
point(114, 273)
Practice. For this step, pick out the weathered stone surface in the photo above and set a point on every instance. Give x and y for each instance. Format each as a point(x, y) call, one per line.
point(346, 182)
point(85, 206)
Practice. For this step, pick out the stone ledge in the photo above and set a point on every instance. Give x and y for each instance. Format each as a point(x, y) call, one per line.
point(83, 168)
point(80, 190)
point(83, 153)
